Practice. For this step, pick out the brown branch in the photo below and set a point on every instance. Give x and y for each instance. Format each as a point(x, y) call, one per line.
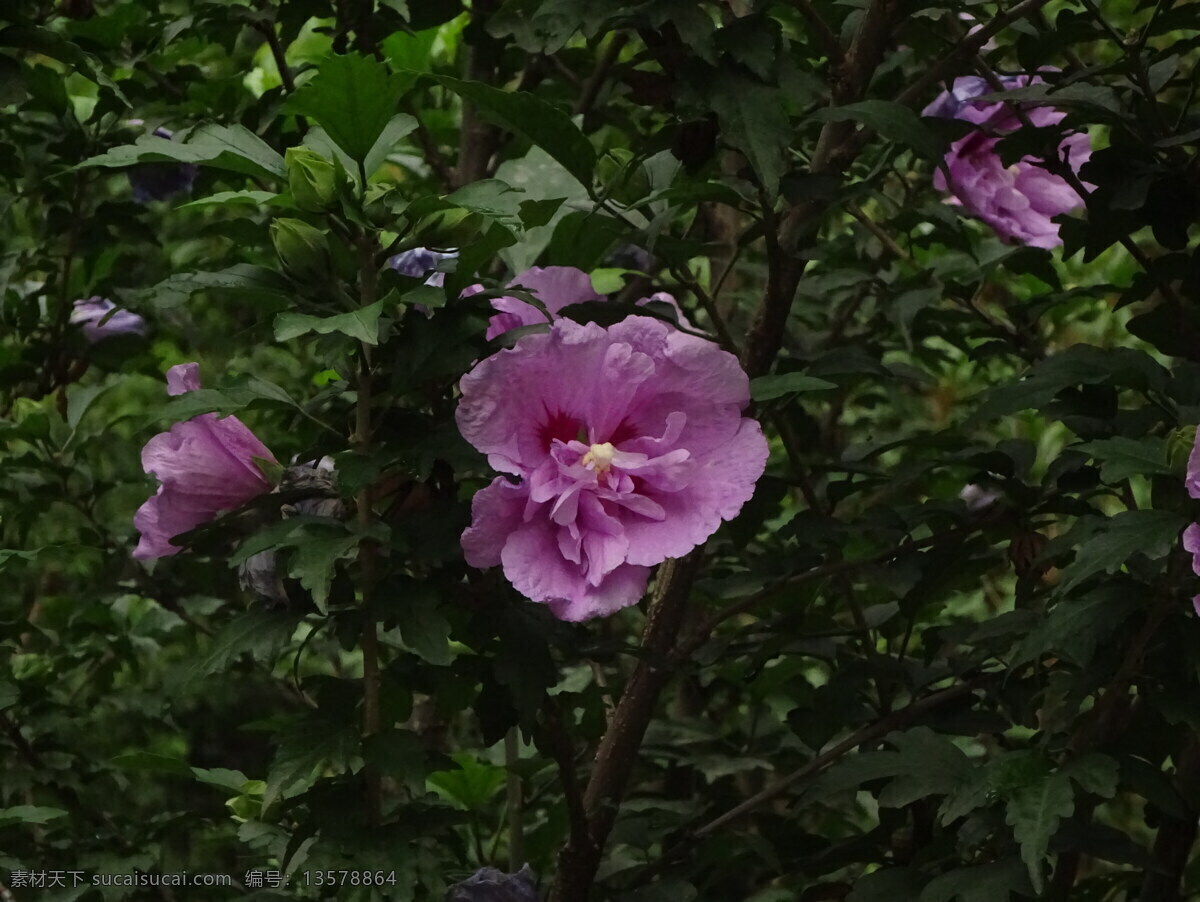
point(478, 139)
point(595, 81)
point(829, 40)
point(965, 49)
point(874, 731)
point(267, 30)
point(580, 858)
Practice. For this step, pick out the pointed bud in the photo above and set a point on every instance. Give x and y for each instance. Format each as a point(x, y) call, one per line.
point(312, 179)
point(303, 250)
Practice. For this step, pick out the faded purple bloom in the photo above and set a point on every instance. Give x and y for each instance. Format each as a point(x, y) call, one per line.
point(628, 447)
point(1017, 201)
point(1191, 543)
point(977, 497)
point(204, 466)
point(1192, 479)
point(556, 287)
point(93, 314)
point(421, 261)
point(161, 181)
point(493, 885)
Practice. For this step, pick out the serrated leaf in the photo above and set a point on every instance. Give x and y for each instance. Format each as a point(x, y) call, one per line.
point(754, 120)
point(1122, 457)
point(1034, 813)
point(472, 785)
point(29, 814)
point(260, 633)
point(303, 747)
point(1107, 543)
point(353, 98)
point(1075, 626)
point(361, 324)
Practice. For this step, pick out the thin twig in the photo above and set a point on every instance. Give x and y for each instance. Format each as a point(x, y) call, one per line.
point(829, 40)
point(595, 81)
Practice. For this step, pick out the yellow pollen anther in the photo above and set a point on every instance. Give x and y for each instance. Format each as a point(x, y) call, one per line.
point(600, 457)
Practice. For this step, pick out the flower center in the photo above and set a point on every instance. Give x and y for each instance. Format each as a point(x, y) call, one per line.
point(599, 457)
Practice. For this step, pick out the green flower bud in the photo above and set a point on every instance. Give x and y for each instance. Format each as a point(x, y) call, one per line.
point(1179, 447)
point(312, 179)
point(448, 228)
point(303, 250)
point(624, 179)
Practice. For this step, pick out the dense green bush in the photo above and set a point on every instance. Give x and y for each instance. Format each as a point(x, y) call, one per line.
point(945, 650)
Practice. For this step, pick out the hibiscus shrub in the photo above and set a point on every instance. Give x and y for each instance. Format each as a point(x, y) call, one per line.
point(544, 450)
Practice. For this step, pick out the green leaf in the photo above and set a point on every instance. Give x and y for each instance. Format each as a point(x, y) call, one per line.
point(8, 695)
point(313, 561)
point(222, 777)
point(361, 324)
point(544, 125)
point(423, 628)
point(244, 280)
point(1034, 813)
point(1122, 457)
point(253, 199)
point(923, 764)
point(353, 98)
point(29, 814)
point(261, 633)
point(1075, 626)
point(36, 39)
point(152, 763)
point(233, 148)
point(472, 785)
point(303, 747)
point(400, 755)
point(1106, 543)
point(764, 388)
point(754, 120)
point(894, 121)
point(398, 127)
point(995, 882)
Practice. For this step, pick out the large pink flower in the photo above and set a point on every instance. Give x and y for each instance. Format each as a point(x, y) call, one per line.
point(205, 465)
point(556, 287)
point(628, 447)
point(1017, 201)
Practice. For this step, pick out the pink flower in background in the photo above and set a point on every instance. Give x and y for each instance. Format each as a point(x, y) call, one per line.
point(1191, 543)
point(204, 466)
point(628, 447)
point(93, 314)
point(556, 287)
point(1017, 201)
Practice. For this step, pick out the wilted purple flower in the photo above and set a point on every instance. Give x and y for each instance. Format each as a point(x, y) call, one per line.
point(493, 885)
point(160, 181)
point(1017, 201)
point(421, 261)
point(93, 314)
point(556, 287)
point(204, 466)
point(260, 572)
point(628, 447)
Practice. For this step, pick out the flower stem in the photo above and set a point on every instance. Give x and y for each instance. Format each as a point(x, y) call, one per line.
point(368, 285)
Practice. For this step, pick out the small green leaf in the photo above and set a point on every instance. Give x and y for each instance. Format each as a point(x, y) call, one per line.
point(253, 199)
point(29, 814)
point(764, 388)
point(361, 325)
point(472, 785)
point(754, 120)
point(262, 633)
point(1106, 543)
